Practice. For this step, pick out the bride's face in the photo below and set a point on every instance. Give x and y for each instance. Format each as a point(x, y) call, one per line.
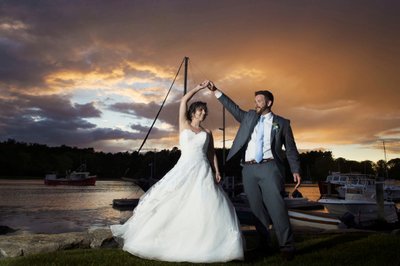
point(200, 114)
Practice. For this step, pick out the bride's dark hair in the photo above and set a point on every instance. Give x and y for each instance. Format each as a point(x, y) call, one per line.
point(195, 106)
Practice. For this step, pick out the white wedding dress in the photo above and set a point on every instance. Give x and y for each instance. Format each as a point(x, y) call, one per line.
point(185, 216)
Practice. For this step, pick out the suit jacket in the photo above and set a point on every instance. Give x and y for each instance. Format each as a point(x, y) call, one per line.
point(281, 135)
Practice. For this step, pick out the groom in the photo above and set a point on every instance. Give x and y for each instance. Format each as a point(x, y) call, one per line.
point(259, 139)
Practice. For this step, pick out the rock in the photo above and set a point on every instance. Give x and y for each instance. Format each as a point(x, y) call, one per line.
point(5, 230)
point(20, 245)
point(27, 244)
point(101, 238)
point(396, 232)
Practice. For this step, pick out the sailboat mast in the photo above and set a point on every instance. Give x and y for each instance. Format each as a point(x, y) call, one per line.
point(384, 151)
point(186, 74)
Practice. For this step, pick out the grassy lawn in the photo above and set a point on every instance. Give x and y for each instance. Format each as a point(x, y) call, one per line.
point(324, 249)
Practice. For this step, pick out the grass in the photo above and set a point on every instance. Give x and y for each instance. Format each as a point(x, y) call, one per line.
point(356, 248)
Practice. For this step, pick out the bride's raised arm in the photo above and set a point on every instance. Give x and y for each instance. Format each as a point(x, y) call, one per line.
point(183, 120)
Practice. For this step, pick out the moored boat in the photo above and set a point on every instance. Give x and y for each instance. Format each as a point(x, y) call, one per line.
point(361, 202)
point(79, 177)
point(364, 211)
point(125, 203)
point(319, 220)
point(298, 218)
point(336, 183)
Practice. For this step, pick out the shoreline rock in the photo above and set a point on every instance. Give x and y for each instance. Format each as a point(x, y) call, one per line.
point(25, 243)
point(4, 229)
point(28, 244)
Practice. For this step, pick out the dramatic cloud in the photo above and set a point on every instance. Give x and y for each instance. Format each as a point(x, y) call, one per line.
point(94, 73)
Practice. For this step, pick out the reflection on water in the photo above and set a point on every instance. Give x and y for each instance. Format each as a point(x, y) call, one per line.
point(29, 205)
point(309, 191)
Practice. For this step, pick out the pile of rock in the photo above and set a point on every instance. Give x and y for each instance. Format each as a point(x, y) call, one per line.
point(28, 244)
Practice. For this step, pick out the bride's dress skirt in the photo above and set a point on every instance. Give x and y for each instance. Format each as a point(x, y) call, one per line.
point(185, 216)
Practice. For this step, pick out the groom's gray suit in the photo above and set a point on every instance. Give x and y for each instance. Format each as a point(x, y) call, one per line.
point(264, 183)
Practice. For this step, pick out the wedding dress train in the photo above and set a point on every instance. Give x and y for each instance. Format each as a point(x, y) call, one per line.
point(185, 216)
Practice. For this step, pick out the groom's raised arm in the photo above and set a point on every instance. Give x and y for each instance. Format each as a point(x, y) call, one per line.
point(230, 105)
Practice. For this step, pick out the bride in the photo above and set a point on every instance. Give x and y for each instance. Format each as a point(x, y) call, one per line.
point(186, 216)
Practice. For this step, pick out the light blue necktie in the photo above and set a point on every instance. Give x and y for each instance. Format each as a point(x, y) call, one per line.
point(260, 140)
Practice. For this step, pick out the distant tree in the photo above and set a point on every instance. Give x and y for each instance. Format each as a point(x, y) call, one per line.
point(394, 168)
point(380, 168)
point(367, 167)
point(316, 165)
point(341, 165)
point(32, 159)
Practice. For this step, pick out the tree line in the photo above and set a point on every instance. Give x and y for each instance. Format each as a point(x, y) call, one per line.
point(19, 159)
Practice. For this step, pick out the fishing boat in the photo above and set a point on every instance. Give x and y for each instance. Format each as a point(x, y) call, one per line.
point(364, 211)
point(337, 183)
point(392, 190)
point(80, 177)
point(361, 203)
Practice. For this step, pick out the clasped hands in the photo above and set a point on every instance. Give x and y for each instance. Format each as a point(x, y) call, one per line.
point(207, 84)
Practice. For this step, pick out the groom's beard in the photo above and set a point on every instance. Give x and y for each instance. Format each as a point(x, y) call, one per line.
point(260, 110)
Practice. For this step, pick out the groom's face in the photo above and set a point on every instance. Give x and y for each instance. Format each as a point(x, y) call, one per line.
point(261, 104)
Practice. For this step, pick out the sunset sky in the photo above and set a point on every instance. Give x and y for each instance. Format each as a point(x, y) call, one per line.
point(94, 73)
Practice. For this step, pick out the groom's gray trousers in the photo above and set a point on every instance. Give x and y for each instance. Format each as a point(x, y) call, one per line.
point(263, 184)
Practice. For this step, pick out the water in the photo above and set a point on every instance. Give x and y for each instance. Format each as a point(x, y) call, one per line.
point(29, 205)
point(310, 191)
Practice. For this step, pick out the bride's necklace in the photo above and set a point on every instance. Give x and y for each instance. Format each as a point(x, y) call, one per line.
point(196, 129)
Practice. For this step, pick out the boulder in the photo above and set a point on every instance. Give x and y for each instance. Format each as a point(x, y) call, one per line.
point(396, 232)
point(101, 238)
point(5, 230)
point(27, 244)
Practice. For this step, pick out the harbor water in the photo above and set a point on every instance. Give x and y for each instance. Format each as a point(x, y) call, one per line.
point(31, 206)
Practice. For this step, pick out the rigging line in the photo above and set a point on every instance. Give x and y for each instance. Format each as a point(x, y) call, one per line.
point(199, 70)
point(162, 105)
point(192, 78)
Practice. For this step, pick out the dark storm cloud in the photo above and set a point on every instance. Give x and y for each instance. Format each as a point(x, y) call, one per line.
point(155, 133)
point(169, 113)
point(50, 119)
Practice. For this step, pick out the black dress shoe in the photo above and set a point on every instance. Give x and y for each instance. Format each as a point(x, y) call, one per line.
point(288, 253)
point(257, 253)
point(265, 250)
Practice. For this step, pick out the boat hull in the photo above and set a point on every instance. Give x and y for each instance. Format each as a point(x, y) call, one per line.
point(314, 219)
point(298, 218)
point(125, 204)
point(363, 211)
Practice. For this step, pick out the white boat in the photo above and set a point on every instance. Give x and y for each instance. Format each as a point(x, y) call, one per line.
point(364, 186)
point(392, 190)
point(336, 184)
point(298, 218)
point(363, 211)
point(80, 177)
point(318, 220)
point(302, 203)
point(361, 203)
